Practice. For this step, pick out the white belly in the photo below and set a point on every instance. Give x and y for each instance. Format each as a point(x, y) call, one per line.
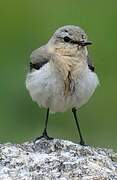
point(46, 87)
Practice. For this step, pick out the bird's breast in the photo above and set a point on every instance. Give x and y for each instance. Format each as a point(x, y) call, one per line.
point(49, 89)
point(70, 70)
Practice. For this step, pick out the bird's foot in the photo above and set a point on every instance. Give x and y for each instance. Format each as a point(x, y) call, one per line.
point(44, 135)
point(82, 143)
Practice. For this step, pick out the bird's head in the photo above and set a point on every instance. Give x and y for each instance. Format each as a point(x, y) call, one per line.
point(70, 40)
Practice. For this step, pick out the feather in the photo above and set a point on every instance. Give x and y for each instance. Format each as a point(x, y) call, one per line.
point(90, 65)
point(39, 58)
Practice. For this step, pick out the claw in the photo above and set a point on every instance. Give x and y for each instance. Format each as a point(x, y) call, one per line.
point(82, 143)
point(44, 135)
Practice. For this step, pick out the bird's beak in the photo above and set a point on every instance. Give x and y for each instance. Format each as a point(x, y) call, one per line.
point(84, 43)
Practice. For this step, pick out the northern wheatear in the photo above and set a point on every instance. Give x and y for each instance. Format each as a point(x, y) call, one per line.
point(61, 74)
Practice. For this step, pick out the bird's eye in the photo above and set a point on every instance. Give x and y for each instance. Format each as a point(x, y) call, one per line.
point(67, 39)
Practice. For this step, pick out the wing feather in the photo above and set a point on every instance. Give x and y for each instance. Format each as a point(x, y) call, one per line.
point(90, 65)
point(39, 58)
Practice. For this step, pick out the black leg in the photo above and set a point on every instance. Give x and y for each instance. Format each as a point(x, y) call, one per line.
point(44, 134)
point(78, 127)
point(46, 123)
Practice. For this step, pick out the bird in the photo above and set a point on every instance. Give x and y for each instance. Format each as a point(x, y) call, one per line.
point(61, 74)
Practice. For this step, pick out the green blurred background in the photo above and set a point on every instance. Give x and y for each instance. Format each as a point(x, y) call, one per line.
point(26, 25)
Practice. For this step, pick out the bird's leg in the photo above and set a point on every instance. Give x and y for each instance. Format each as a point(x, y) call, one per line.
point(78, 127)
point(44, 134)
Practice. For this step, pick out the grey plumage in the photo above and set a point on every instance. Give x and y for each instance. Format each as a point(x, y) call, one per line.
point(38, 58)
point(62, 75)
point(90, 64)
point(72, 35)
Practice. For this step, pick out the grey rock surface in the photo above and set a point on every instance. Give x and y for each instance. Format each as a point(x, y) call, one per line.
point(56, 159)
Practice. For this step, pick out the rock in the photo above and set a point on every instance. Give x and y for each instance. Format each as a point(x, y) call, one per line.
point(56, 160)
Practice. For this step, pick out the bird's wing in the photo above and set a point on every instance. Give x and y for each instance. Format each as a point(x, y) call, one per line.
point(39, 58)
point(90, 65)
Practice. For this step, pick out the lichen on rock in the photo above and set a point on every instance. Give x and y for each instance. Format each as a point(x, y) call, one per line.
point(56, 159)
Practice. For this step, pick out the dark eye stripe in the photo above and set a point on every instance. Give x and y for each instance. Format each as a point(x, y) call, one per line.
point(38, 65)
point(68, 40)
